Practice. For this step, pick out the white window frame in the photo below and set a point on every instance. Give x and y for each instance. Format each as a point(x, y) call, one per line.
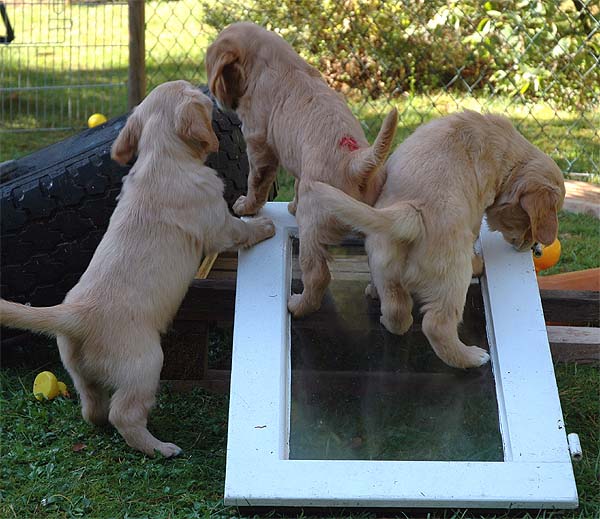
point(536, 471)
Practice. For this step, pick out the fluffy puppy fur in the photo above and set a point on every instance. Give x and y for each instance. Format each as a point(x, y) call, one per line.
point(170, 212)
point(420, 234)
point(292, 118)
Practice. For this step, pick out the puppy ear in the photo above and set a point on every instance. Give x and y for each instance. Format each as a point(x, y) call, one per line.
point(194, 126)
point(126, 144)
point(540, 206)
point(226, 77)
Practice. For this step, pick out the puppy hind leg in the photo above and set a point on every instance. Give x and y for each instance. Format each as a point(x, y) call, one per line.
point(440, 324)
point(134, 398)
point(315, 274)
point(396, 308)
point(94, 398)
point(263, 171)
point(95, 401)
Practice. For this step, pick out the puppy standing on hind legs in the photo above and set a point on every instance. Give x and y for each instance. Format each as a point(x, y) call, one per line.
point(419, 236)
point(170, 213)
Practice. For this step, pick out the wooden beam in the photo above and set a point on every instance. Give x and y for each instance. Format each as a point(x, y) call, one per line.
point(574, 344)
point(570, 307)
point(137, 53)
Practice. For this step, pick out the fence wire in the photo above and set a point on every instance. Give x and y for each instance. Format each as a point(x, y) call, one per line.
point(536, 61)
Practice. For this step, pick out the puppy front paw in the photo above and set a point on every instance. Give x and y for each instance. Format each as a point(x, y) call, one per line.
point(292, 206)
point(244, 207)
point(264, 228)
point(298, 306)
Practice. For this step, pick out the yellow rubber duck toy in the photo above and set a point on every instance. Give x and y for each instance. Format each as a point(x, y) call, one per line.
point(46, 386)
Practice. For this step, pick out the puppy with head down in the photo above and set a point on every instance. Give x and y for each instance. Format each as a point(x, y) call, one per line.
point(292, 118)
point(170, 213)
point(419, 236)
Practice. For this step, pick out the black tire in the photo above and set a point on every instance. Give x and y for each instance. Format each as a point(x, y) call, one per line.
point(56, 204)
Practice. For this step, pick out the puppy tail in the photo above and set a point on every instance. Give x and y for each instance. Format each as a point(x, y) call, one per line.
point(367, 161)
point(51, 320)
point(401, 221)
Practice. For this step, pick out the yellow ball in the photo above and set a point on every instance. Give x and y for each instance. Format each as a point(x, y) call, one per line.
point(96, 120)
point(549, 258)
point(45, 386)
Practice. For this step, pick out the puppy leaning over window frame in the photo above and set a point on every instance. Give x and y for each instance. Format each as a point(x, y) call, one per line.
point(291, 117)
point(419, 236)
point(170, 212)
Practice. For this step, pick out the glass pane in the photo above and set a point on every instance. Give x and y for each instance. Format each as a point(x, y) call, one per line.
point(361, 393)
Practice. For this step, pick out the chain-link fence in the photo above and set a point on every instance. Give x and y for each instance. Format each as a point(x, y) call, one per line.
point(536, 61)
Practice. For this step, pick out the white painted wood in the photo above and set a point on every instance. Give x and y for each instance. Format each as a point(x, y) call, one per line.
point(522, 362)
point(536, 473)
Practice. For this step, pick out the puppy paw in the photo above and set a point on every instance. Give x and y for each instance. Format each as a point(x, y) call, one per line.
point(168, 450)
point(473, 357)
point(371, 291)
point(291, 207)
point(397, 327)
point(243, 207)
point(298, 306)
point(477, 265)
point(264, 227)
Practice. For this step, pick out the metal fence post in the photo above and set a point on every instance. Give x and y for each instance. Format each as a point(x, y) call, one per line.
point(137, 51)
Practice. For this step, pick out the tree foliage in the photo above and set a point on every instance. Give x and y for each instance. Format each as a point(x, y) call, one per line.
point(522, 48)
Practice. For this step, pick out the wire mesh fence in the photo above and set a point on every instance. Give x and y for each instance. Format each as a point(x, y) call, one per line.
point(535, 61)
point(66, 61)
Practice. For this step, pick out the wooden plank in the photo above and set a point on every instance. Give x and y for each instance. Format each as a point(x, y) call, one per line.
point(137, 53)
point(574, 344)
point(185, 349)
point(588, 279)
point(208, 300)
point(570, 307)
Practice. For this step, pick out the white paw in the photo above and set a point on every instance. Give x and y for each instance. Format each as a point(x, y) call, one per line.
point(475, 357)
point(168, 450)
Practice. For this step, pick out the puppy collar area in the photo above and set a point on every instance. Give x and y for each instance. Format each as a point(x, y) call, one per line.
point(348, 142)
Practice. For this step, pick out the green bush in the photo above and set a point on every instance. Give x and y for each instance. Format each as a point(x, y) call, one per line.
point(524, 48)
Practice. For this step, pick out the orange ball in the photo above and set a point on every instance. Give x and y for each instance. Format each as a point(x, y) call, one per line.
point(549, 258)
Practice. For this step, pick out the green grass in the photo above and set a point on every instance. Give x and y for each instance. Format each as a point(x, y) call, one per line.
point(579, 235)
point(56, 466)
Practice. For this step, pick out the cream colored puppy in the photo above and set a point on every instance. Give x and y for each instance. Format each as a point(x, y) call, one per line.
point(419, 237)
point(292, 118)
point(170, 212)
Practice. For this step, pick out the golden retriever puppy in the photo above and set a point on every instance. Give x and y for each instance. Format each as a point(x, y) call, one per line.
point(290, 117)
point(420, 234)
point(170, 212)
